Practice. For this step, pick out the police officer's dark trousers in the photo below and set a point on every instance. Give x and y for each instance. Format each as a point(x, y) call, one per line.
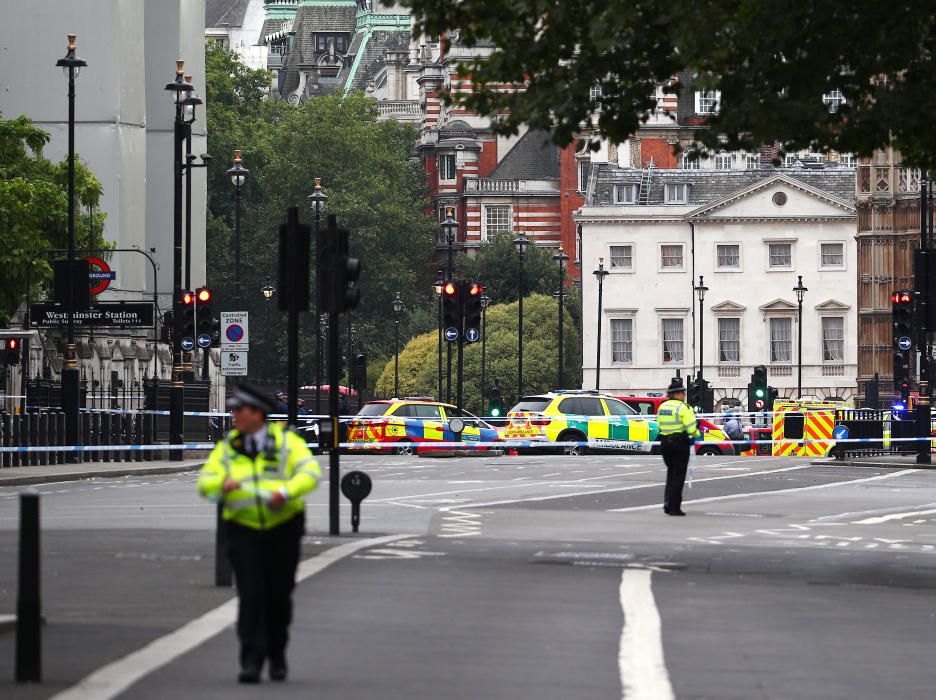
point(675, 449)
point(264, 563)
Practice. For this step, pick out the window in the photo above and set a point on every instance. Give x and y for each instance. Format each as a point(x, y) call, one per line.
point(706, 101)
point(583, 175)
point(594, 96)
point(676, 194)
point(625, 194)
point(751, 161)
point(833, 339)
point(780, 255)
point(447, 167)
point(497, 219)
point(728, 256)
point(323, 40)
point(671, 256)
point(569, 407)
point(672, 341)
point(781, 340)
point(421, 410)
point(689, 161)
point(729, 340)
point(622, 257)
point(622, 340)
point(723, 161)
point(789, 160)
point(619, 408)
point(590, 406)
point(833, 100)
point(832, 254)
point(847, 160)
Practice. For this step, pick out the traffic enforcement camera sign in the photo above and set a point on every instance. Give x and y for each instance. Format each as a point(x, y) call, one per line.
point(233, 363)
point(235, 335)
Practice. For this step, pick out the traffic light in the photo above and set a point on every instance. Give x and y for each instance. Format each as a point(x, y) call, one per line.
point(451, 310)
point(757, 390)
point(12, 354)
point(188, 314)
point(694, 395)
point(472, 324)
point(167, 333)
point(902, 317)
point(772, 395)
point(495, 402)
point(345, 271)
point(205, 321)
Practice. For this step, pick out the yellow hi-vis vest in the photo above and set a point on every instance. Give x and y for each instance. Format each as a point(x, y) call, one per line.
point(677, 417)
point(287, 466)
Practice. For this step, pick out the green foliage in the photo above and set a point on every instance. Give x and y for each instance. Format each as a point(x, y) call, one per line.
point(771, 60)
point(34, 211)
point(496, 266)
point(418, 360)
point(372, 186)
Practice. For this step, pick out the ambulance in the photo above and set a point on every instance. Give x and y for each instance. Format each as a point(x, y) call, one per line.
point(811, 421)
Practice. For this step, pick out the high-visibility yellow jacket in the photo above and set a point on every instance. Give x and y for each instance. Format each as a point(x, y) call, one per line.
point(286, 466)
point(677, 417)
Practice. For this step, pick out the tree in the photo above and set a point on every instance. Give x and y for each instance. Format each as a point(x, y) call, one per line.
point(372, 186)
point(772, 62)
point(34, 211)
point(418, 360)
point(496, 266)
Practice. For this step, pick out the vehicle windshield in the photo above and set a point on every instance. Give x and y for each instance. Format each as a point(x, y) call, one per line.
point(531, 404)
point(373, 409)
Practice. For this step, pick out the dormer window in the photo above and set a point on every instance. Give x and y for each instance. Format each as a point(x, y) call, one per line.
point(674, 193)
point(626, 194)
point(324, 39)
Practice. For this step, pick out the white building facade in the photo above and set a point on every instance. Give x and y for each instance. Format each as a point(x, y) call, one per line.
point(749, 234)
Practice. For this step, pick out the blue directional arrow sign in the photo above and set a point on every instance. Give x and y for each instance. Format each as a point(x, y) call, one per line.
point(904, 343)
point(187, 343)
point(451, 334)
point(204, 340)
point(472, 335)
point(840, 432)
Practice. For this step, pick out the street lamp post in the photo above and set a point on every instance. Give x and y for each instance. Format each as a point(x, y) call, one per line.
point(268, 290)
point(561, 258)
point(600, 274)
point(181, 129)
point(318, 198)
point(449, 229)
point(238, 174)
point(800, 291)
point(71, 64)
point(397, 308)
point(440, 280)
point(700, 291)
point(485, 302)
point(520, 242)
point(189, 105)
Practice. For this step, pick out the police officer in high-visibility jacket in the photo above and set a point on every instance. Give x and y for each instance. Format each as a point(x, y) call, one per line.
point(260, 473)
point(678, 431)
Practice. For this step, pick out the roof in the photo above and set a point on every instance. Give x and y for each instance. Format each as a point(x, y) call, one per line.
point(219, 13)
point(533, 157)
point(374, 57)
point(708, 186)
point(309, 20)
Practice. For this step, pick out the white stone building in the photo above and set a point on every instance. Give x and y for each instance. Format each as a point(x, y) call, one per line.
point(749, 234)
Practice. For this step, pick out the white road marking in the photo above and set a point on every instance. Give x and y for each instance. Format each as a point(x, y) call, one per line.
point(114, 678)
point(894, 516)
point(640, 655)
point(776, 492)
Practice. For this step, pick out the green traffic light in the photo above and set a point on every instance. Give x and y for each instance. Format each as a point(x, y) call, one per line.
point(495, 412)
point(759, 393)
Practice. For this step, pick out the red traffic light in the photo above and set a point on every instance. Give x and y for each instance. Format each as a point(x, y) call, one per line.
point(13, 343)
point(449, 289)
point(475, 290)
point(900, 297)
point(203, 295)
point(188, 298)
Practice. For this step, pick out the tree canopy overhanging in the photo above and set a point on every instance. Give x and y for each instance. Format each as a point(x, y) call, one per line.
point(772, 61)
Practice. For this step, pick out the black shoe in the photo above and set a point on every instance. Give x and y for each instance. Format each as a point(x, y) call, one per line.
point(249, 674)
point(278, 670)
point(675, 512)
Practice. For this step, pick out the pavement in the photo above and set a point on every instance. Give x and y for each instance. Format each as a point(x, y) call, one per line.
point(515, 577)
point(877, 461)
point(52, 473)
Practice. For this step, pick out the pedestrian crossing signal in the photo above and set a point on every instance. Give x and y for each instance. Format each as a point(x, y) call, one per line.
point(12, 354)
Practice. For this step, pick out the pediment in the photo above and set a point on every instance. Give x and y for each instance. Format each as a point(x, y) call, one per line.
point(779, 306)
point(760, 201)
point(728, 307)
point(832, 305)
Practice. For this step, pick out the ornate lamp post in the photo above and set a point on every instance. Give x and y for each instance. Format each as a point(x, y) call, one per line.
point(485, 302)
point(238, 174)
point(268, 290)
point(317, 199)
point(188, 108)
point(397, 308)
point(600, 274)
point(561, 258)
point(520, 242)
point(800, 292)
point(71, 65)
point(700, 291)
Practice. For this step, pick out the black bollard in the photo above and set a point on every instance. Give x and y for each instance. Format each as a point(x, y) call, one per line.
point(28, 601)
point(356, 486)
point(223, 575)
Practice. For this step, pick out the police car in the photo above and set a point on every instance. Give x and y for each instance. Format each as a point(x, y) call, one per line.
point(379, 425)
point(601, 421)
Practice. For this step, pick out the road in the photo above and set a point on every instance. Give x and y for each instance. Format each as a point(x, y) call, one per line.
point(513, 577)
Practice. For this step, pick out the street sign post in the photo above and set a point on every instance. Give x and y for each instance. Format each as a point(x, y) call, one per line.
point(233, 363)
point(451, 334)
point(203, 340)
point(188, 343)
point(472, 335)
point(235, 330)
point(904, 343)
